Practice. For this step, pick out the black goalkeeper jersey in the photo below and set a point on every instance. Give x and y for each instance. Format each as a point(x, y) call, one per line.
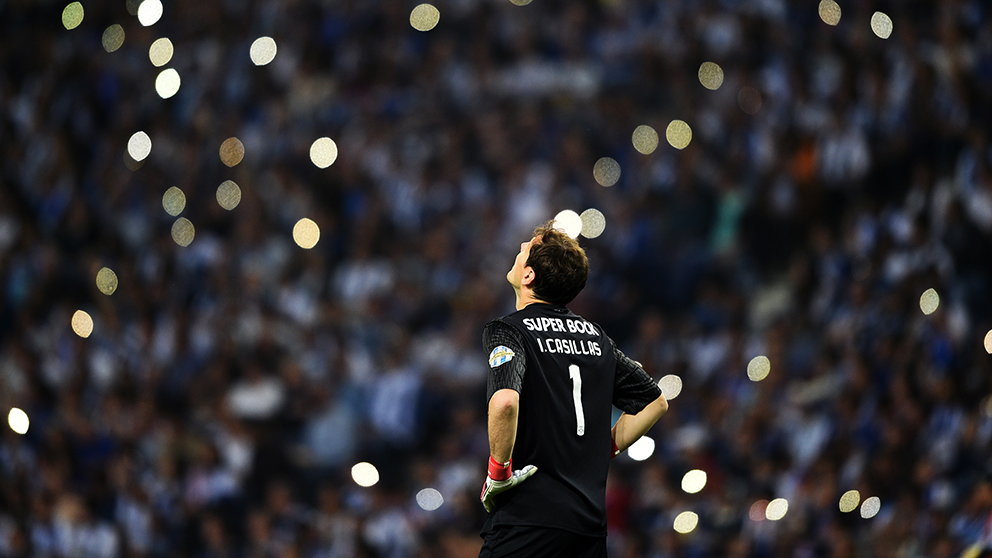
point(569, 374)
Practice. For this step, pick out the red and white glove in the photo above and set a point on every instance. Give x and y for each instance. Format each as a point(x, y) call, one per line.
point(616, 450)
point(501, 478)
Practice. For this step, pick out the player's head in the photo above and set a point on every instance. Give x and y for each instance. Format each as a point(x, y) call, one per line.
point(552, 265)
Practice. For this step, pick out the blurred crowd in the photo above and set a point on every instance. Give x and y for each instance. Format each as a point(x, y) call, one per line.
point(229, 386)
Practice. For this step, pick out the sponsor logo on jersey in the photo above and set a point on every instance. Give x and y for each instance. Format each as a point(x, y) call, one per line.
point(500, 355)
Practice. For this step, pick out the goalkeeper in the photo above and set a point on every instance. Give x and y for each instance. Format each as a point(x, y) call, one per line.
point(553, 380)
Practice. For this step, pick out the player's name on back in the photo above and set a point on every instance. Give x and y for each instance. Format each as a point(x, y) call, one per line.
point(560, 325)
point(569, 346)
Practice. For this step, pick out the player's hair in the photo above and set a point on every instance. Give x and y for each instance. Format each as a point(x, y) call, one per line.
point(560, 265)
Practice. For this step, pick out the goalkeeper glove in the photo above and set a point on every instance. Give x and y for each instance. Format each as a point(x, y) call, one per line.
point(502, 478)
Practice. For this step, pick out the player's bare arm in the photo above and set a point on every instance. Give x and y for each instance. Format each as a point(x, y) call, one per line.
point(503, 408)
point(629, 428)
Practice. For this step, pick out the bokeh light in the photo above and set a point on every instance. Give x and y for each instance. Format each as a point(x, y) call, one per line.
point(757, 510)
point(569, 222)
point(306, 233)
point(429, 499)
point(113, 38)
point(183, 232)
point(645, 139)
point(82, 324)
point(174, 201)
point(132, 6)
point(776, 509)
point(678, 134)
point(986, 406)
point(106, 281)
point(606, 171)
point(520, 2)
point(881, 25)
point(323, 152)
point(849, 501)
point(365, 474)
point(149, 12)
point(72, 15)
point(424, 17)
point(929, 301)
point(671, 386)
point(160, 53)
point(228, 194)
point(18, 421)
point(167, 83)
point(988, 342)
point(711, 75)
point(642, 449)
point(830, 12)
point(593, 223)
point(232, 151)
point(263, 50)
point(139, 146)
point(685, 522)
point(694, 481)
point(758, 368)
point(749, 99)
point(870, 507)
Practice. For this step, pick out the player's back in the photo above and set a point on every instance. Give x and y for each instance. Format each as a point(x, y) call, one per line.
point(563, 423)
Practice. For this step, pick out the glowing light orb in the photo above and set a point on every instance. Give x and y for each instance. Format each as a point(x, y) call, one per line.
point(830, 12)
point(82, 324)
point(323, 152)
point(606, 171)
point(645, 139)
point(685, 522)
point(139, 146)
point(365, 474)
point(174, 201)
point(183, 232)
point(776, 509)
point(870, 507)
point(18, 421)
point(232, 151)
point(228, 194)
point(678, 134)
point(881, 25)
point(568, 222)
point(263, 51)
point(429, 499)
point(113, 38)
point(671, 386)
point(642, 449)
point(160, 53)
point(167, 83)
point(106, 281)
point(72, 15)
point(710, 75)
point(849, 501)
point(758, 368)
point(306, 233)
point(929, 301)
point(424, 17)
point(593, 223)
point(149, 12)
point(694, 481)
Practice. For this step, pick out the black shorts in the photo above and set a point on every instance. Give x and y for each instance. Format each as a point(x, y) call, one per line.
point(526, 541)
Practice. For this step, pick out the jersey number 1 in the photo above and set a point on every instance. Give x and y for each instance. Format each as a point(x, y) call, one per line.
point(580, 417)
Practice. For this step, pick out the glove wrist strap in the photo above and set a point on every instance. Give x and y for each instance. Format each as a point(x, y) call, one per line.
point(499, 471)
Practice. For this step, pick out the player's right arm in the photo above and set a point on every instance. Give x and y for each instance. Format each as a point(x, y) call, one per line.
point(640, 399)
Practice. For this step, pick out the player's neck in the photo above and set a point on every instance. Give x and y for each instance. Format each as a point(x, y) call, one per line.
point(525, 297)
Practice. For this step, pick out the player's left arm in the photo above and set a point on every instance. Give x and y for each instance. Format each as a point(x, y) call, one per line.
point(640, 399)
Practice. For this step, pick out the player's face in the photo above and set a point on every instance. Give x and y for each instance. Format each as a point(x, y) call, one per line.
point(516, 274)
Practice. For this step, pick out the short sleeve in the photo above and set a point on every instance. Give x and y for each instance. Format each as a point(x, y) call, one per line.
point(633, 388)
point(507, 361)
